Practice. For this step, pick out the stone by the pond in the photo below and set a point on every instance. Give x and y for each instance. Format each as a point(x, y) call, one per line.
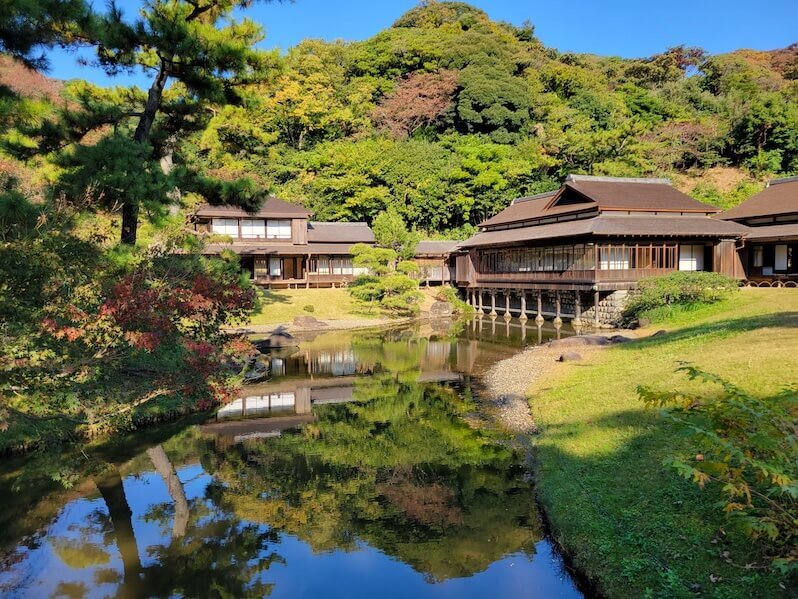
point(588, 340)
point(309, 322)
point(441, 309)
point(659, 333)
point(570, 356)
point(279, 337)
point(256, 370)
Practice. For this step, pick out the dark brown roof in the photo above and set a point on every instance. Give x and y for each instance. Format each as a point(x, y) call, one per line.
point(280, 249)
point(435, 248)
point(532, 208)
point(340, 232)
point(581, 192)
point(787, 232)
point(636, 194)
point(272, 207)
point(609, 225)
point(779, 197)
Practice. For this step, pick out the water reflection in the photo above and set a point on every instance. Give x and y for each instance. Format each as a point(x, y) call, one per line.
point(365, 478)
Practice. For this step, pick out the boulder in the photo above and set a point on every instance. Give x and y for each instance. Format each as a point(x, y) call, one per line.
point(441, 309)
point(581, 341)
point(659, 333)
point(279, 337)
point(569, 356)
point(309, 322)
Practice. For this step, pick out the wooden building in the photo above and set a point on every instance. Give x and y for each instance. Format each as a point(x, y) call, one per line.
point(433, 261)
point(769, 253)
point(281, 247)
point(576, 251)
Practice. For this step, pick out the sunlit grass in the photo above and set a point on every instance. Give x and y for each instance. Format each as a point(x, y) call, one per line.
point(283, 305)
point(632, 524)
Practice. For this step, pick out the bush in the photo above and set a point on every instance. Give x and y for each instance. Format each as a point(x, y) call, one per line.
point(449, 294)
point(310, 308)
point(682, 289)
point(747, 447)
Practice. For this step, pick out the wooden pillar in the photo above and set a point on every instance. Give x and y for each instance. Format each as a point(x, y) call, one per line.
point(577, 321)
point(523, 316)
point(481, 308)
point(539, 317)
point(557, 318)
point(493, 303)
point(307, 267)
point(507, 314)
point(596, 300)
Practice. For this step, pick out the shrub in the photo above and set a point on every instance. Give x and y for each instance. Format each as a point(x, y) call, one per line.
point(310, 308)
point(683, 289)
point(449, 294)
point(747, 447)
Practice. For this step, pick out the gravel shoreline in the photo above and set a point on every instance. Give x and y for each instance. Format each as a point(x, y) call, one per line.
point(506, 383)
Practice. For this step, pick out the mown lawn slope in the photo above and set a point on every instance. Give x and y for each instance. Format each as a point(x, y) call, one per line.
point(631, 524)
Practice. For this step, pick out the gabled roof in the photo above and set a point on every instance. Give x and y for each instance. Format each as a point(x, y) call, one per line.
point(271, 208)
point(612, 225)
point(615, 193)
point(339, 233)
point(779, 197)
point(580, 193)
point(435, 248)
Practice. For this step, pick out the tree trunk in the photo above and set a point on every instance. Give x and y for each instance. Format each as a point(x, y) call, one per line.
point(164, 467)
point(110, 486)
point(130, 209)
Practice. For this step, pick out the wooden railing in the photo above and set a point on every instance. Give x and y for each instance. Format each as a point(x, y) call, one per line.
point(319, 278)
point(570, 276)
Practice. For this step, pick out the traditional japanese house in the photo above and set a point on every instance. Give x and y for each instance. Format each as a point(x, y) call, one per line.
point(281, 247)
point(770, 251)
point(578, 250)
point(432, 258)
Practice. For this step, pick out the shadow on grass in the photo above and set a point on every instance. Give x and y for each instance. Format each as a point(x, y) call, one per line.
point(723, 328)
point(632, 524)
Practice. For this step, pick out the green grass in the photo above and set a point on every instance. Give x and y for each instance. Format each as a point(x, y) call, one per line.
point(631, 524)
point(282, 305)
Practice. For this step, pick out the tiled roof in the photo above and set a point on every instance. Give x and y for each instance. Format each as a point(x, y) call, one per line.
point(435, 248)
point(786, 232)
point(340, 232)
point(609, 225)
point(580, 193)
point(779, 197)
point(272, 207)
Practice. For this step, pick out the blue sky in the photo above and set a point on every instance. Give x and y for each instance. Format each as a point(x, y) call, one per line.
point(626, 28)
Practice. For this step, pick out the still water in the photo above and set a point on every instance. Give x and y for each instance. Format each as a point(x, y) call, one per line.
point(352, 472)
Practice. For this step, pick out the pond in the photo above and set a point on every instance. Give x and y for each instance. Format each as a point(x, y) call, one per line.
point(352, 471)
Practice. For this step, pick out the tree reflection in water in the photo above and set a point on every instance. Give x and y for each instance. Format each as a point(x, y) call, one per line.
point(398, 469)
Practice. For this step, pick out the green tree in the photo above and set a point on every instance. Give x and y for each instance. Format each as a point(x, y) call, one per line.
point(390, 231)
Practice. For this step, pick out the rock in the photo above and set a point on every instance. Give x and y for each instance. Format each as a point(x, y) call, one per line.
point(581, 341)
point(660, 333)
point(441, 309)
point(279, 337)
point(619, 339)
point(256, 371)
point(569, 356)
point(309, 322)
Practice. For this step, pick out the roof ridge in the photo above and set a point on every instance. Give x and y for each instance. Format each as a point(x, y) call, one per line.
point(782, 180)
point(601, 179)
point(335, 222)
point(537, 196)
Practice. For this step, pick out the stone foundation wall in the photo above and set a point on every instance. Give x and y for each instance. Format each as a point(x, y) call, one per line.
point(610, 308)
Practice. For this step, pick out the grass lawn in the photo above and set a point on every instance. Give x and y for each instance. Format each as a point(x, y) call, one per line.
point(631, 524)
point(282, 305)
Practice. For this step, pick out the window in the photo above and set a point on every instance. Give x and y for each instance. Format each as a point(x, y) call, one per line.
point(278, 229)
point(275, 267)
point(759, 256)
point(691, 257)
point(225, 226)
point(780, 263)
point(614, 258)
point(253, 229)
point(323, 265)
